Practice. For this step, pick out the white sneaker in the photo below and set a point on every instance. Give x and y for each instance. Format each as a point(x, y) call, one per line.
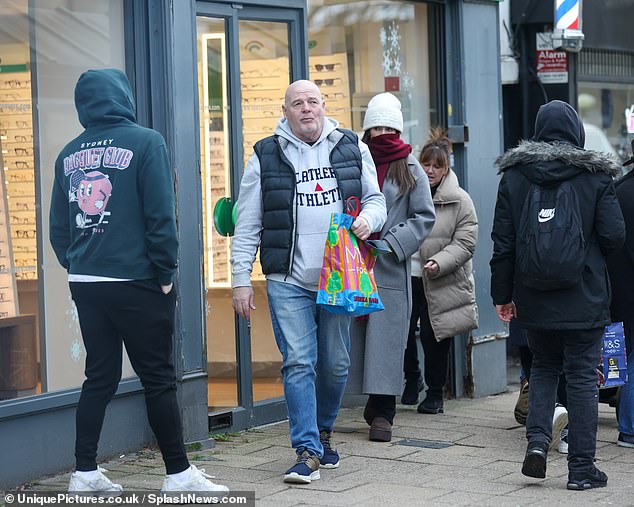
point(563, 442)
point(99, 486)
point(198, 481)
point(560, 421)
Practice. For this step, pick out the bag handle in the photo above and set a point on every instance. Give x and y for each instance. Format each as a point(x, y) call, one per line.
point(353, 206)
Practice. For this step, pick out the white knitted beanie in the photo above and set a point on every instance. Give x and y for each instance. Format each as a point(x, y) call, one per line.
point(384, 110)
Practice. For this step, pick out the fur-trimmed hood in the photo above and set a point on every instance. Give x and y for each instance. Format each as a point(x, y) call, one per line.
point(555, 161)
point(556, 151)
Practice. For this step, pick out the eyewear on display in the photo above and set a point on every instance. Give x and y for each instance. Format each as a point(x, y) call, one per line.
point(27, 275)
point(21, 178)
point(248, 100)
point(22, 206)
point(4, 315)
point(25, 262)
point(320, 67)
point(23, 249)
point(20, 221)
point(16, 83)
point(3, 296)
point(25, 233)
point(257, 73)
point(216, 140)
point(13, 96)
point(23, 139)
point(335, 95)
point(327, 82)
point(23, 151)
point(20, 164)
point(13, 124)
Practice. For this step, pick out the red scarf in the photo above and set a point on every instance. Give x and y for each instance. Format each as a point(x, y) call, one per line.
point(387, 148)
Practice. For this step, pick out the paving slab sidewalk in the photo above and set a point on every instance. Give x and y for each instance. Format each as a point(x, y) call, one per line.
point(470, 455)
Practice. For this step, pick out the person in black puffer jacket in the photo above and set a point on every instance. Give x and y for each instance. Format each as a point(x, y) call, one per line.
point(564, 325)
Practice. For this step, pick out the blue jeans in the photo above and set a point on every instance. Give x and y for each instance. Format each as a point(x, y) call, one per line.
point(315, 346)
point(576, 353)
point(626, 403)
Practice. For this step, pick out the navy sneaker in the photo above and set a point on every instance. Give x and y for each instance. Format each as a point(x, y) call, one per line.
point(330, 459)
point(304, 471)
point(535, 460)
point(625, 440)
point(594, 478)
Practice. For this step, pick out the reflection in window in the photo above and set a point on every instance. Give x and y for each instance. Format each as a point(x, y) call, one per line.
point(33, 129)
point(359, 49)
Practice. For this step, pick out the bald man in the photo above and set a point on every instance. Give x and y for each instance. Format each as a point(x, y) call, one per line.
point(292, 183)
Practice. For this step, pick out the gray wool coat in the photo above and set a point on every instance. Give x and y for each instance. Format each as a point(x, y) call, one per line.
point(377, 345)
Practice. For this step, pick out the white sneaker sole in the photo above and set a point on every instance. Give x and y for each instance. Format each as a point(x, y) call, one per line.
point(295, 478)
point(97, 494)
point(329, 465)
point(558, 425)
point(620, 443)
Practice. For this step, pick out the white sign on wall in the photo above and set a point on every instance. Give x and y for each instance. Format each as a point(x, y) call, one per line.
point(629, 119)
point(552, 65)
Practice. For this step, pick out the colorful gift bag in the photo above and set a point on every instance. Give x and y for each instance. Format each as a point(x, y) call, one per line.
point(612, 370)
point(347, 284)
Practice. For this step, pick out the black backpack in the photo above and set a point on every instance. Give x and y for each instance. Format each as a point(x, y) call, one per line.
point(551, 248)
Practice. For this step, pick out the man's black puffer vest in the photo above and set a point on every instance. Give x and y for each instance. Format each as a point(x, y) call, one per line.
point(278, 189)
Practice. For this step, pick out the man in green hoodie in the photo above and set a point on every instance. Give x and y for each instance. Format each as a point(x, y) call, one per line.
point(113, 228)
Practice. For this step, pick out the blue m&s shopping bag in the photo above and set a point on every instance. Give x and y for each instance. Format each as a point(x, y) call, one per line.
point(613, 367)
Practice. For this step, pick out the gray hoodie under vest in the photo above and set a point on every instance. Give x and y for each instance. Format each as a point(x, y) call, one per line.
point(314, 180)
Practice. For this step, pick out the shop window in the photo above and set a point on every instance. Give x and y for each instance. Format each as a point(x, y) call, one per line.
point(606, 110)
point(44, 47)
point(359, 49)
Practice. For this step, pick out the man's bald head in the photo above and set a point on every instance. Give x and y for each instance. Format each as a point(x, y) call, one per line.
point(304, 110)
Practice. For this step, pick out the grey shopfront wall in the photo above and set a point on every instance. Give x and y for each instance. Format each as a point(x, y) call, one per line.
point(161, 39)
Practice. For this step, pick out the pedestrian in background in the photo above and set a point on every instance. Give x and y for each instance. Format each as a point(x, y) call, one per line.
point(113, 228)
point(378, 340)
point(565, 313)
point(442, 280)
point(621, 269)
point(291, 185)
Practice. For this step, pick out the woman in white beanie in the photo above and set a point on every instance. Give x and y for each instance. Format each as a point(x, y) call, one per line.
point(377, 341)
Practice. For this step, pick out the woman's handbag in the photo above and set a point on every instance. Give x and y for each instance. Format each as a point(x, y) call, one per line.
point(346, 283)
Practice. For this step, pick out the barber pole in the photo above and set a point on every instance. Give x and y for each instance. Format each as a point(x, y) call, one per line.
point(568, 14)
point(567, 32)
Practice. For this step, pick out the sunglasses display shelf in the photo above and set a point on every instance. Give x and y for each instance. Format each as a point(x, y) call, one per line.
point(16, 136)
point(18, 349)
point(330, 73)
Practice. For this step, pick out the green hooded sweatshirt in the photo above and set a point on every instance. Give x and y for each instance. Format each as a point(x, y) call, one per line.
point(113, 209)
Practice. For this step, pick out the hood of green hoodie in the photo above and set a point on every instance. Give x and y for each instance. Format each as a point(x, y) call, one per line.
point(104, 96)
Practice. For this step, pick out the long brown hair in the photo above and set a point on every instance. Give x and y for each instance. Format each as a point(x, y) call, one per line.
point(398, 171)
point(437, 148)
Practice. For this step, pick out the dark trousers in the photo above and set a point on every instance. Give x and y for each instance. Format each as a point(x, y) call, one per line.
point(139, 315)
point(526, 358)
point(436, 352)
point(576, 353)
point(383, 405)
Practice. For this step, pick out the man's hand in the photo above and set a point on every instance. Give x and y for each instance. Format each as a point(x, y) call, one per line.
point(166, 288)
point(361, 228)
point(506, 312)
point(243, 301)
point(431, 269)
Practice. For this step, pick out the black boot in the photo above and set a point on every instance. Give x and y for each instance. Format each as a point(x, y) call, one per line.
point(594, 478)
point(410, 393)
point(535, 460)
point(430, 406)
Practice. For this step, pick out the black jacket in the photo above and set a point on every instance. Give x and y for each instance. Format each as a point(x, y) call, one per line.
point(621, 261)
point(556, 154)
